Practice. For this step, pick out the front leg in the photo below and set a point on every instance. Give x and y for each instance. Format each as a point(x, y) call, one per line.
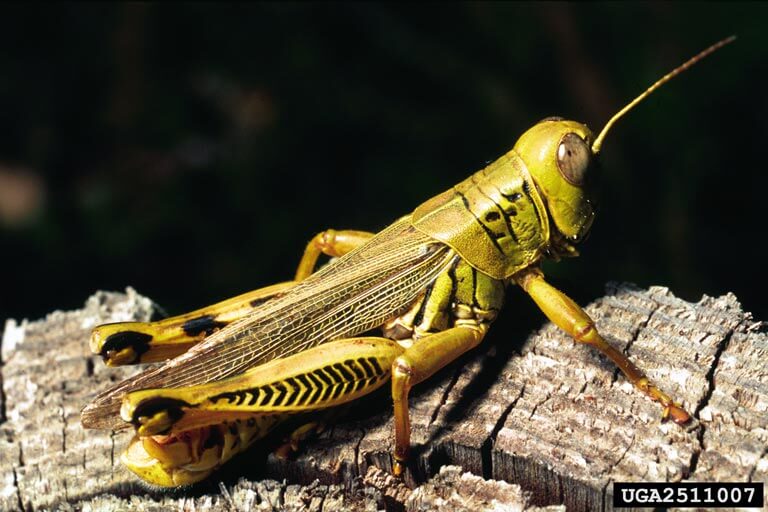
point(567, 315)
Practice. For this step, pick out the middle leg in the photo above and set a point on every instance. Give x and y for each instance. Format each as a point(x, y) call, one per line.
point(418, 363)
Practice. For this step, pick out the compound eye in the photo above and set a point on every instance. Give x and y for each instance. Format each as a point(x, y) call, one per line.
point(573, 159)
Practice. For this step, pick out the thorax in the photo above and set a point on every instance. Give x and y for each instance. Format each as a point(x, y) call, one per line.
point(460, 295)
point(495, 219)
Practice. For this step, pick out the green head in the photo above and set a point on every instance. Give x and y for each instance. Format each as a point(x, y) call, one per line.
point(559, 154)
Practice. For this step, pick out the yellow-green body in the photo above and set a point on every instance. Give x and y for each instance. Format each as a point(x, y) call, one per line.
point(432, 282)
point(443, 267)
point(497, 220)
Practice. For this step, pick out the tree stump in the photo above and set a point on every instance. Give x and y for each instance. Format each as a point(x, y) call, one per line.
point(558, 420)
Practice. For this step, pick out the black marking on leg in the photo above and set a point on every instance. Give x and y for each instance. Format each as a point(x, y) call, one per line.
point(345, 375)
point(349, 388)
point(304, 380)
point(281, 391)
point(328, 381)
point(360, 385)
point(293, 388)
point(359, 374)
point(229, 396)
point(205, 324)
point(314, 388)
point(375, 365)
point(334, 376)
point(254, 396)
point(337, 391)
point(320, 376)
point(152, 406)
point(327, 392)
point(366, 367)
point(268, 392)
point(138, 341)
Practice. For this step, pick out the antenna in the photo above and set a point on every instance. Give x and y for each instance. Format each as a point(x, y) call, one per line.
point(666, 78)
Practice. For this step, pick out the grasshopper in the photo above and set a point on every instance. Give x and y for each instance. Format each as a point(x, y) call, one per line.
point(433, 282)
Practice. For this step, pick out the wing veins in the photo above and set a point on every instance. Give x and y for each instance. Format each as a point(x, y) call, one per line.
point(402, 253)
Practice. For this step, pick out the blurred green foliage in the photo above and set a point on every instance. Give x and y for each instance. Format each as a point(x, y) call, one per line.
point(191, 150)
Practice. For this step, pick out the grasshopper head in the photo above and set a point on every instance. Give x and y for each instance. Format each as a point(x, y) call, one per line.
point(558, 154)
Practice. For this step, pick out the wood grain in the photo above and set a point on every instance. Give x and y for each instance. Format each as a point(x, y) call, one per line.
point(558, 420)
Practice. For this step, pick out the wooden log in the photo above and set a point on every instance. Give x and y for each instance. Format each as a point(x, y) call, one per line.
point(558, 419)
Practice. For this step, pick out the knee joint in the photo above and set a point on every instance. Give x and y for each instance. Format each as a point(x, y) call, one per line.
point(584, 332)
point(326, 242)
point(402, 373)
point(402, 369)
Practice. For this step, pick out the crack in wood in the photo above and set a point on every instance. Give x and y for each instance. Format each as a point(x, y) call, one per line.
point(3, 416)
point(19, 501)
point(487, 447)
point(710, 378)
point(444, 398)
point(754, 468)
point(358, 469)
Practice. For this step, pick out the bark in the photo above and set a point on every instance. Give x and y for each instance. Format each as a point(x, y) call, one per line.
point(557, 420)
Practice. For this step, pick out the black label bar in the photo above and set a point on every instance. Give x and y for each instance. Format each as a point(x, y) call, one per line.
point(688, 494)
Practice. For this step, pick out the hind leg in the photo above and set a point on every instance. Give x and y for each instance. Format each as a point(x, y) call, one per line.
point(147, 342)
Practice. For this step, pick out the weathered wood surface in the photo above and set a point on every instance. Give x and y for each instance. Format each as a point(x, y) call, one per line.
point(559, 420)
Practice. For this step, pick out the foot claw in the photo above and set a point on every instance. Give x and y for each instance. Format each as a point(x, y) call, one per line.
point(671, 409)
point(676, 414)
point(397, 468)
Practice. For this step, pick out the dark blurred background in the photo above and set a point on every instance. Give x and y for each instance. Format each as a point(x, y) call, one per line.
point(191, 150)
